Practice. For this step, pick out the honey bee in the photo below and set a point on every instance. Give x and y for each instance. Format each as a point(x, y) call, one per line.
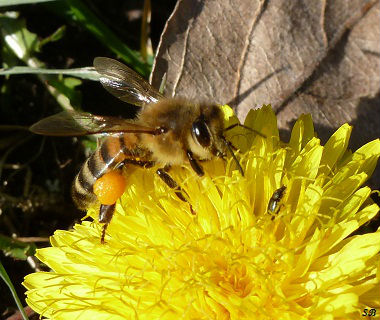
point(166, 132)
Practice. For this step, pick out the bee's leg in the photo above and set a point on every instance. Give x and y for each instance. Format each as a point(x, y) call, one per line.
point(139, 163)
point(165, 177)
point(105, 216)
point(106, 211)
point(194, 164)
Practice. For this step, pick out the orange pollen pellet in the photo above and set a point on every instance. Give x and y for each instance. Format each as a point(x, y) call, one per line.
point(109, 187)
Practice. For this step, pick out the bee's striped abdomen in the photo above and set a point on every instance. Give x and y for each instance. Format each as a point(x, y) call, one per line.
point(111, 152)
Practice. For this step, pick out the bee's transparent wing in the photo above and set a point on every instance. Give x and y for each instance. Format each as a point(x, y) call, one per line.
point(124, 83)
point(74, 123)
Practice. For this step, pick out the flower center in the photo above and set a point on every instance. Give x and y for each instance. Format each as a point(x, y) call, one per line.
point(233, 280)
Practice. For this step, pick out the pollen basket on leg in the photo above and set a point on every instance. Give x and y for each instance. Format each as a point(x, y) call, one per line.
point(109, 187)
point(110, 184)
point(93, 168)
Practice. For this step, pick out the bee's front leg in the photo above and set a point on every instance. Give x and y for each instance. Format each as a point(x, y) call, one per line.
point(170, 182)
point(194, 164)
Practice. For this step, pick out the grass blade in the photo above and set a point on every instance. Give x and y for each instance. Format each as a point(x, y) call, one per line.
point(5, 277)
point(4, 3)
point(78, 12)
point(87, 73)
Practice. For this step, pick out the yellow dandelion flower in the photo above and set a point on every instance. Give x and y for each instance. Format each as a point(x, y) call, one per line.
point(235, 258)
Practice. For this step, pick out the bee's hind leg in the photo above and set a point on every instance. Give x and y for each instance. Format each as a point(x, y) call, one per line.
point(106, 211)
point(105, 216)
point(170, 182)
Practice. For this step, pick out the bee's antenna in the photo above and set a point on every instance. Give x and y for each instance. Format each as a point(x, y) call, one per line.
point(230, 147)
point(245, 127)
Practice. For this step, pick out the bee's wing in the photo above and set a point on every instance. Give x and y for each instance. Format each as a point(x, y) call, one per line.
point(124, 83)
point(73, 123)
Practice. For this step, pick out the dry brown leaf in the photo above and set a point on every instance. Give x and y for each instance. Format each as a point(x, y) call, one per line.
point(318, 57)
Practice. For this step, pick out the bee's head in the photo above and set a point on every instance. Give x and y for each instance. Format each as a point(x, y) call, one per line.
point(207, 140)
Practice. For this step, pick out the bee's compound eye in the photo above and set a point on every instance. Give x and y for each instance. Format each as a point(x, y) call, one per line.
point(109, 187)
point(201, 133)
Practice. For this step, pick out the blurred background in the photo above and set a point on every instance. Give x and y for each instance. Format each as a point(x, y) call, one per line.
point(36, 172)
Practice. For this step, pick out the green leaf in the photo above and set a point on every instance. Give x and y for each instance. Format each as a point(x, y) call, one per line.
point(5, 277)
point(22, 42)
point(77, 11)
point(57, 35)
point(16, 249)
point(67, 88)
point(72, 82)
point(8, 58)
